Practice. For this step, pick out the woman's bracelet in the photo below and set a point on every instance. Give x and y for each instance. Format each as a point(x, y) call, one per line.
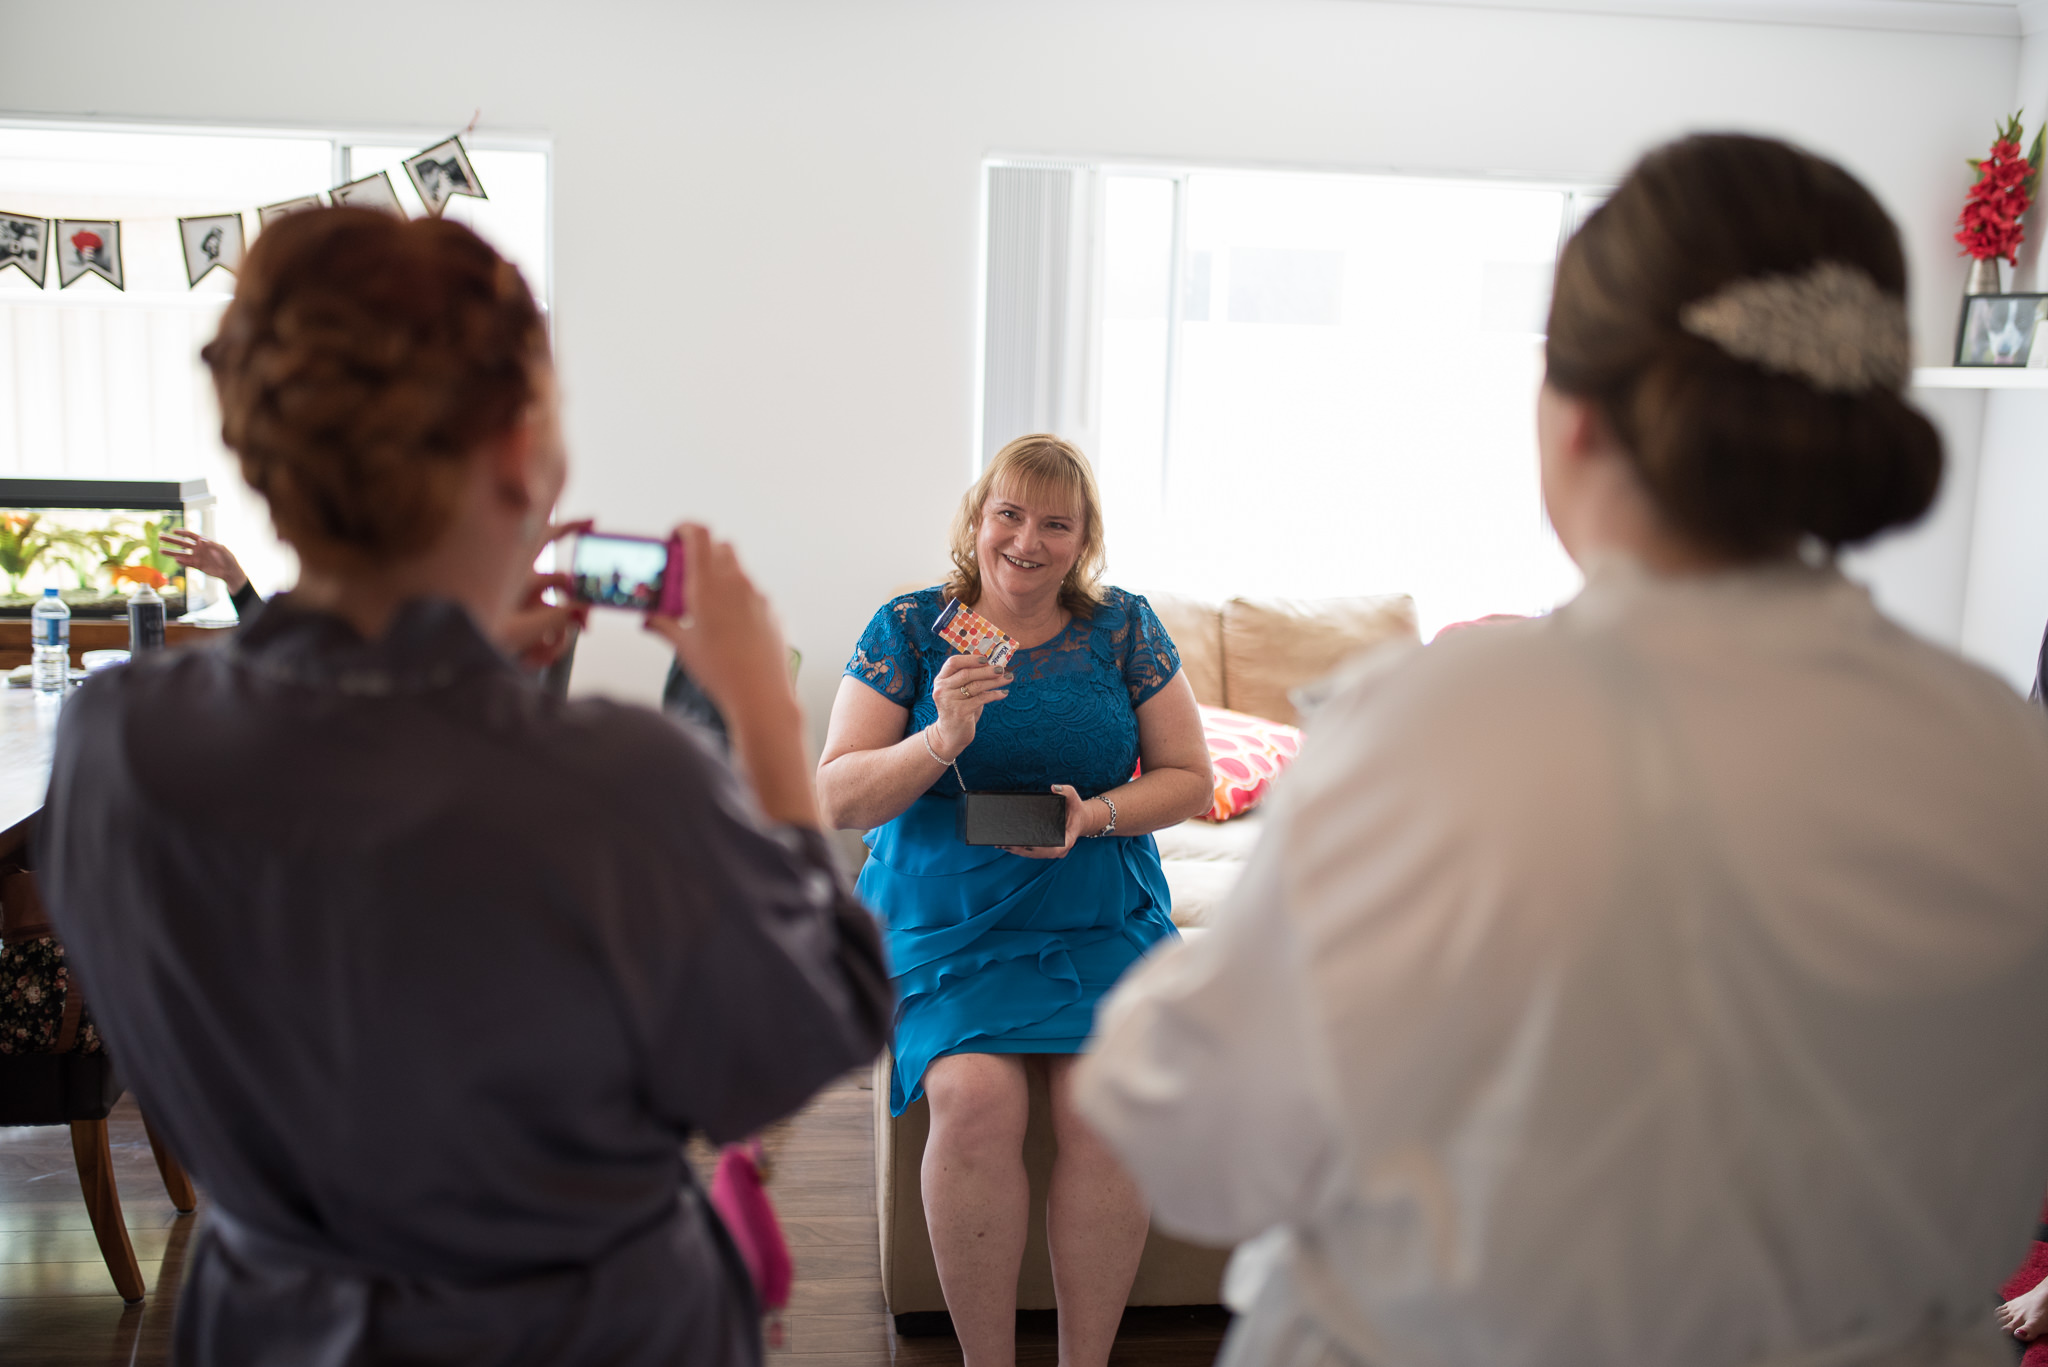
point(926, 736)
point(1110, 829)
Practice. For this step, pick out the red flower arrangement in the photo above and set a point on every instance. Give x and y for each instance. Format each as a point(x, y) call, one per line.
point(2006, 182)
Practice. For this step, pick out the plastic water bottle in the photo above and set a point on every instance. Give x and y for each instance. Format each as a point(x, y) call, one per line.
point(145, 621)
point(53, 643)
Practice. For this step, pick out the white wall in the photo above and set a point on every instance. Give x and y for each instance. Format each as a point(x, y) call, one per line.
point(2007, 604)
point(1920, 575)
point(766, 210)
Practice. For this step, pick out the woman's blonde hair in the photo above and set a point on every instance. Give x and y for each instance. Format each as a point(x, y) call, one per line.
point(1037, 469)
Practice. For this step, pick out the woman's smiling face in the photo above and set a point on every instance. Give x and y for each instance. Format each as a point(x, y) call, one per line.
point(1026, 548)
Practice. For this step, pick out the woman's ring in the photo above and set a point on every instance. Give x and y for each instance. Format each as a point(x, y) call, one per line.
point(965, 691)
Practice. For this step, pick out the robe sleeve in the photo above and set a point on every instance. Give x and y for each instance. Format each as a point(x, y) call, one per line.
point(752, 973)
point(1206, 1077)
point(1363, 984)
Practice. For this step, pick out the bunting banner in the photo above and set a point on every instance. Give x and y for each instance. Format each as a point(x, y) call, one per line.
point(24, 245)
point(88, 246)
point(213, 242)
point(371, 192)
point(441, 173)
point(92, 246)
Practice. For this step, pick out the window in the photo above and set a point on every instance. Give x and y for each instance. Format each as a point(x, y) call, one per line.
point(1302, 384)
point(103, 383)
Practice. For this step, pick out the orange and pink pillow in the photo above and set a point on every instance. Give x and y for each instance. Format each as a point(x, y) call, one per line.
point(1247, 754)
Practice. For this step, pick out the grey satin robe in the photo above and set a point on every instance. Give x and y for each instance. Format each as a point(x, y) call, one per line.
point(426, 976)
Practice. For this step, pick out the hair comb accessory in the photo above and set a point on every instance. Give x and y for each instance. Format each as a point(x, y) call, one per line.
point(1830, 326)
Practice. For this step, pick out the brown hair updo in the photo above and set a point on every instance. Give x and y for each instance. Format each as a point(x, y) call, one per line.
point(1738, 459)
point(360, 364)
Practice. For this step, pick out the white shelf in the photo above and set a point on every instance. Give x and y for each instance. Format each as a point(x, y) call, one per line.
point(1978, 377)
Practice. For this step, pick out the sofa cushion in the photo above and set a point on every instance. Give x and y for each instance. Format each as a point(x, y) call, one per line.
point(1224, 841)
point(1272, 646)
point(1197, 631)
point(1199, 888)
point(1202, 861)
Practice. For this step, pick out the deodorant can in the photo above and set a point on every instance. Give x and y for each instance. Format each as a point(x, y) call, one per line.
point(145, 621)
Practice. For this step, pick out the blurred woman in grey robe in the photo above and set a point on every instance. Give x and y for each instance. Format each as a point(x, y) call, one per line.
point(427, 975)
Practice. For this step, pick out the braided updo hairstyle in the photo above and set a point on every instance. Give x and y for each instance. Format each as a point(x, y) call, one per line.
point(360, 364)
point(1737, 459)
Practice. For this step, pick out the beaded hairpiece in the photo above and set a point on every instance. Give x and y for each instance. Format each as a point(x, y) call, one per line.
point(1830, 326)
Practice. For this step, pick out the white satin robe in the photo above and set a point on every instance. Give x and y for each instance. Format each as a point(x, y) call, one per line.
point(1661, 982)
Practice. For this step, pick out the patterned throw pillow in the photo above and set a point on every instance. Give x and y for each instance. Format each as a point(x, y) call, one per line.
point(1247, 754)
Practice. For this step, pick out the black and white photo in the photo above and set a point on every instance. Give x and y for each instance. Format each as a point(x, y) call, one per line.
point(211, 242)
point(370, 192)
point(2001, 330)
point(270, 213)
point(25, 245)
point(442, 172)
point(89, 246)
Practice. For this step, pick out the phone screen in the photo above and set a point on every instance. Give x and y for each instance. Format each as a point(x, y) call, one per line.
point(619, 571)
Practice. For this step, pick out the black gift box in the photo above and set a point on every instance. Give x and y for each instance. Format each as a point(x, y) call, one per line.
point(1012, 819)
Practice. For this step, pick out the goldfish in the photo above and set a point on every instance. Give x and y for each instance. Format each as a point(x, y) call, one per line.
point(140, 574)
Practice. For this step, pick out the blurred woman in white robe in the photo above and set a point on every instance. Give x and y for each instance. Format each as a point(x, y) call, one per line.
point(1658, 982)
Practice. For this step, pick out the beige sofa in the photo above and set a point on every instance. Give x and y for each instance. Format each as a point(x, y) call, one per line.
point(1247, 655)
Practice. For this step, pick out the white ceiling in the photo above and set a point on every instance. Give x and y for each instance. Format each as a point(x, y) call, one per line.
point(1986, 18)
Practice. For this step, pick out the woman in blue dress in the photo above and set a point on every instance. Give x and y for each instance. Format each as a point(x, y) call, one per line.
point(1000, 955)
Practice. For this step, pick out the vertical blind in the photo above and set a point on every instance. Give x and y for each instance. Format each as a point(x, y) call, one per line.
point(1038, 371)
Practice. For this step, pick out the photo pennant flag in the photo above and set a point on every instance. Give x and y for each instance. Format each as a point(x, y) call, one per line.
point(271, 213)
point(25, 245)
point(442, 172)
point(212, 242)
point(88, 246)
point(371, 192)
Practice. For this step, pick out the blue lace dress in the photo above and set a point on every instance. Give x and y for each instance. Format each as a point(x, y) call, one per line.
point(994, 953)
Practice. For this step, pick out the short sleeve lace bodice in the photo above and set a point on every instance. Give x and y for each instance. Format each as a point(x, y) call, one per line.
point(1071, 716)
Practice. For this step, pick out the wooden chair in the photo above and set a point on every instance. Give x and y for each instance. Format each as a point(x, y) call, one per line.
point(64, 1086)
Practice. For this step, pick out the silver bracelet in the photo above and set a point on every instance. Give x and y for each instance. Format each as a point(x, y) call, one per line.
point(1110, 829)
point(926, 736)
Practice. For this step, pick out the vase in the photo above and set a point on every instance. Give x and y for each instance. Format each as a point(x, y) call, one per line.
point(1983, 277)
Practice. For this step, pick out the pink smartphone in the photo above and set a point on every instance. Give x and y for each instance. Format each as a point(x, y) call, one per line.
point(638, 573)
point(970, 633)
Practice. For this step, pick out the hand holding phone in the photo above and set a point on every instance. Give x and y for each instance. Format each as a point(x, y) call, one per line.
point(733, 647)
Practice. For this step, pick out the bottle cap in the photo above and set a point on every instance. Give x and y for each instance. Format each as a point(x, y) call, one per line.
point(49, 593)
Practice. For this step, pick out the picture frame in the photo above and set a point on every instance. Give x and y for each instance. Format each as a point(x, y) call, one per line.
point(441, 173)
point(270, 213)
point(211, 242)
point(2003, 331)
point(370, 192)
point(89, 246)
point(25, 245)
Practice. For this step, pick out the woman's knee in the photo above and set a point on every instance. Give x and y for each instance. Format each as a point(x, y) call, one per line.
point(1069, 1129)
point(980, 1102)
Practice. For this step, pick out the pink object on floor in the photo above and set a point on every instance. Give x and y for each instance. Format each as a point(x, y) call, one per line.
point(740, 1197)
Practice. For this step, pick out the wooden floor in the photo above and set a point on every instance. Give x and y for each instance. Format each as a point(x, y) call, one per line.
point(58, 1307)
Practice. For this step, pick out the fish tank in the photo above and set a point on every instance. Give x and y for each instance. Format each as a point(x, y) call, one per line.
point(98, 541)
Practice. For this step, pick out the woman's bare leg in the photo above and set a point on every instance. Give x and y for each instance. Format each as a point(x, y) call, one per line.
point(1095, 1222)
point(976, 1196)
